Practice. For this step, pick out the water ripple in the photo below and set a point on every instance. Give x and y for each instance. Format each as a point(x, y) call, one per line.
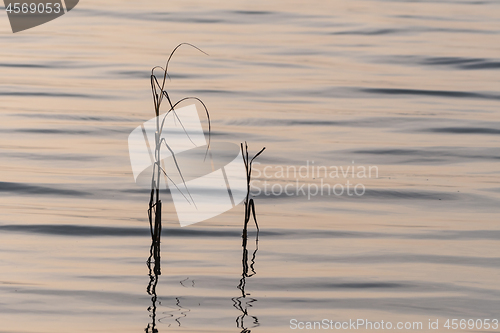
point(20, 189)
point(431, 93)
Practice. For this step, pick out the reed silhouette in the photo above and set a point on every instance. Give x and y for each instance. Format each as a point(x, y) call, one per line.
point(249, 202)
point(243, 303)
point(155, 204)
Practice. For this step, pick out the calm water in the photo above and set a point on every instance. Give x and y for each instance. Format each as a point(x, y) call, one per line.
point(411, 87)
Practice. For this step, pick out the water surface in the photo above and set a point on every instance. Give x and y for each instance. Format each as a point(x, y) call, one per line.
point(411, 87)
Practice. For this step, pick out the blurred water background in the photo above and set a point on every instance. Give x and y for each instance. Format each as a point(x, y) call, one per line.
point(411, 87)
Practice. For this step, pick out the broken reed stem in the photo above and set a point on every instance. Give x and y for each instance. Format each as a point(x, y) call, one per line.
point(249, 203)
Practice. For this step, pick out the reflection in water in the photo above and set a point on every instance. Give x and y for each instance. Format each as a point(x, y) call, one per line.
point(243, 303)
point(154, 267)
point(154, 260)
point(178, 313)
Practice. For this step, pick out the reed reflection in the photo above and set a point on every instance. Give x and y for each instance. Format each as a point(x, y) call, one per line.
point(242, 303)
point(154, 260)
